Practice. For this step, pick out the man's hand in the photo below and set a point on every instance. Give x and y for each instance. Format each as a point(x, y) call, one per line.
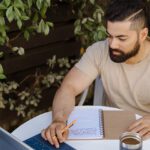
point(53, 133)
point(142, 126)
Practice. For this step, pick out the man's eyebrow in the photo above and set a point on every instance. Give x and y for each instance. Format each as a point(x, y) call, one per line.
point(117, 35)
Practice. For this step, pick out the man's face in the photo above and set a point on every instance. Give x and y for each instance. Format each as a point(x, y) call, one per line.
point(123, 42)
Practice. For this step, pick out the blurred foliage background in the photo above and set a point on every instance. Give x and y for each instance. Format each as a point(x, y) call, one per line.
point(30, 17)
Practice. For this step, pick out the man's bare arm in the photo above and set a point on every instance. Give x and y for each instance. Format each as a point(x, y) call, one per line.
point(64, 101)
point(73, 84)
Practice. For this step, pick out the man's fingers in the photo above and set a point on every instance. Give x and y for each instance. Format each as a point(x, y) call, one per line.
point(143, 132)
point(146, 136)
point(55, 141)
point(59, 134)
point(134, 125)
point(48, 136)
point(65, 134)
point(138, 128)
point(43, 134)
point(54, 136)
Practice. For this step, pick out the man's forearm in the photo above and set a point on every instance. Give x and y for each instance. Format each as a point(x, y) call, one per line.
point(63, 104)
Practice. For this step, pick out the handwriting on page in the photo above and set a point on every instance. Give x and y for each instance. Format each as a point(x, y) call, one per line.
point(84, 131)
point(88, 125)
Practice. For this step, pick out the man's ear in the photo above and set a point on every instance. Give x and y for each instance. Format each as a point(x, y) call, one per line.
point(143, 34)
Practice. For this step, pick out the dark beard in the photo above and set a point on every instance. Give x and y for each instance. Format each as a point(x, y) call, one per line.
point(123, 56)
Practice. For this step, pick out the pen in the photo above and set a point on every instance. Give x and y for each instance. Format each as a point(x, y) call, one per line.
point(67, 127)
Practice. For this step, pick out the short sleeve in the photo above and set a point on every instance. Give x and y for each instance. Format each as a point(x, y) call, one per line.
point(90, 62)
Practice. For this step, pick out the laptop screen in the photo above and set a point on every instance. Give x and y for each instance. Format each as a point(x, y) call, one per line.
point(9, 142)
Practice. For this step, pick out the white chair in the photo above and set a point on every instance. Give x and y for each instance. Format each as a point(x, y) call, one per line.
point(98, 93)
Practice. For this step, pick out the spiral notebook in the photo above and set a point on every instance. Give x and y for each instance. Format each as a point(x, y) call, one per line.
point(94, 123)
point(89, 123)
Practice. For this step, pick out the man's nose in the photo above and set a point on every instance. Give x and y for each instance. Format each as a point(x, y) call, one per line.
point(113, 43)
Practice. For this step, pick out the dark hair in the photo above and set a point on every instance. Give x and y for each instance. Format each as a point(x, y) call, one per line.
point(133, 10)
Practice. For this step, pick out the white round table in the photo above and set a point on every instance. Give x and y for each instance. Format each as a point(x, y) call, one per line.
point(36, 124)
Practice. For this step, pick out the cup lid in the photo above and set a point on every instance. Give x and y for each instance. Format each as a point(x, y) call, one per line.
point(130, 140)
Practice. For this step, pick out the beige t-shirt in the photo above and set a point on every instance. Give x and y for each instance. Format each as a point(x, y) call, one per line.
point(126, 85)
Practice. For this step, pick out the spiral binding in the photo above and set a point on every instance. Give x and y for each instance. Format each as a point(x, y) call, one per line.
point(101, 123)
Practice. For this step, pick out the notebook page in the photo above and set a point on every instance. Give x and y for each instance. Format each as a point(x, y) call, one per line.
point(88, 125)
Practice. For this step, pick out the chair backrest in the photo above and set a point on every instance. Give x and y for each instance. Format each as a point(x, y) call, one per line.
point(98, 93)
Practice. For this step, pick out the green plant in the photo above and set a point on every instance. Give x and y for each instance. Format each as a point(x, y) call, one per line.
point(29, 17)
point(89, 26)
point(24, 97)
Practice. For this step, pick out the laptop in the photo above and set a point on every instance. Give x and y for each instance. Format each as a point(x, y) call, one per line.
point(10, 142)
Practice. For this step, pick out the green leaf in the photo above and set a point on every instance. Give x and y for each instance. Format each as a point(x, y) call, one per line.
point(26, 35)
point(88, 27)
point(95, 36)
point(2, 76)
point(39, 4)
point(77, 29)
point(99, 17)
point(1, 69)
point(2, 7)
point(31, 28)
point(50, 24)
point(43, 11)
point(17, 12)
point(2, 21)
point(95, 15)
point(4, 33)
point(48, 2)
point(2, 40)
point(41, 26)
point(19, 23)
point(29, 3)
point(25, 18)
point(101, 28)
point(39, 29)
point(1, 54)
point(19, 4)
point(100, 35)
point(7, 2)
point(10, 14)
point(100, 10)
point(92, 2)
point(84, 20)
point(46, 29)
point(90, 19)
point(7, 38)
point(36, 17)
point(21, 51)
point(14, 49)
point(77, 22)
point(104, 35)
